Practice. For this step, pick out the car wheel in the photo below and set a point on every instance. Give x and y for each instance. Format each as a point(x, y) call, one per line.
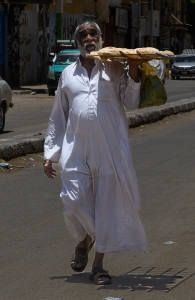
point(178, 77)
point(173, 77)
point(51, 92)
point(2, 119)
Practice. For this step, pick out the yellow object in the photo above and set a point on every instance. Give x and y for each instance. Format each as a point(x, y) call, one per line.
point(152, 91)
point(147, 70)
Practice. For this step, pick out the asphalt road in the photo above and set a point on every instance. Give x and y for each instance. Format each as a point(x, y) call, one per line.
point(36, 247)
point(180, 89)
point(31, 112)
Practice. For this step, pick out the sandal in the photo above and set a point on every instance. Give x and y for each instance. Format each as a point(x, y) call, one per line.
point(80, 256)
point(96, 275)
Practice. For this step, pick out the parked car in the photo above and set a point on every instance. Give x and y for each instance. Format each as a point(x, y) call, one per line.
point(183, 66)
point(189, 51)
point(5, 101)
point(63, 59)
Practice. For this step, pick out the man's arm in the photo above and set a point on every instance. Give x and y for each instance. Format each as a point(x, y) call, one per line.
point(130, 87)
point(56, 131)
point(134, 68)
point(57, 125)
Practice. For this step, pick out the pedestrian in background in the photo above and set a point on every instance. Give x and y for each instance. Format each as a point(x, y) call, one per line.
point(88, 134)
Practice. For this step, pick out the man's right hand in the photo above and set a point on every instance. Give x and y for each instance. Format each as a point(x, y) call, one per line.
point(49, 171)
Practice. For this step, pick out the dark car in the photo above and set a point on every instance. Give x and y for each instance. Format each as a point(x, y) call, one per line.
point(63, 59)
point(183, 66)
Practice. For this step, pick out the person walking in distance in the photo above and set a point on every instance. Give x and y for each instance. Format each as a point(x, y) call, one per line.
point(88, 134)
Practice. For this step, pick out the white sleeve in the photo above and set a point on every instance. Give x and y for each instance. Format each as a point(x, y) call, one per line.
point(129, 91)
point(57, 125)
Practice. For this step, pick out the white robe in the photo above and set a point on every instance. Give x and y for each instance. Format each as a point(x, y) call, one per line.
point(88, 133)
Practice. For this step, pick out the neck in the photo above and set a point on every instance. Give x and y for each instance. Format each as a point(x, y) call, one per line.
point(86, 61)
point(88, 64)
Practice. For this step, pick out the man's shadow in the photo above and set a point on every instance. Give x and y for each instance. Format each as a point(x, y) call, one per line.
point(138, 279)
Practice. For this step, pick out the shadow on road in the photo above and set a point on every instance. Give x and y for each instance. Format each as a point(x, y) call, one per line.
point(138, 279)
point(6, 131)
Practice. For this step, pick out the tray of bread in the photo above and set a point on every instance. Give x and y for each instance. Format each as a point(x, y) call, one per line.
point(145, 53)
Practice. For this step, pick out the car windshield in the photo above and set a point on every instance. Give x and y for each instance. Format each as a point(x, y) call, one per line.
point(186, 59)
point(66, 58)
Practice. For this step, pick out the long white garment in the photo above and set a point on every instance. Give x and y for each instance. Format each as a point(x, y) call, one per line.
point(88, 133)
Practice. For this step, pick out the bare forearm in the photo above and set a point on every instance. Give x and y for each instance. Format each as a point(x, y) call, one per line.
point(134, 68)
point(133, 72)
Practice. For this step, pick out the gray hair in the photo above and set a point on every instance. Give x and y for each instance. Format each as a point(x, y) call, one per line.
point(76, 34)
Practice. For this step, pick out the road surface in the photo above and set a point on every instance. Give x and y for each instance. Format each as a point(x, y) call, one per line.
point(36, 247)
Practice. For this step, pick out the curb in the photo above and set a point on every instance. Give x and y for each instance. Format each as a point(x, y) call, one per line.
point(24, 92)
point(22, 145)
point(33, 143)
point(156, 113)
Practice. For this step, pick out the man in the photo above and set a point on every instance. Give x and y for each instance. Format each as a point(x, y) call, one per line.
point(88, 133)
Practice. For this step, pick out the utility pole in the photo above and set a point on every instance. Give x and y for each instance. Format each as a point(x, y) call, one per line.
point(59, 20)
point(139, 24)
point(175, 13)
point(151, 23)
point(45, 41)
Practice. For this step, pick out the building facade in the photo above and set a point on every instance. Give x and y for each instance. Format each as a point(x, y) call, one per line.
point(29, 30)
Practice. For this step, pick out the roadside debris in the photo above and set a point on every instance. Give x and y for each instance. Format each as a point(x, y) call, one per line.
point(169, 243)
point(23, 164)
point(4, 164)
point(112, 298)
point(31, 159)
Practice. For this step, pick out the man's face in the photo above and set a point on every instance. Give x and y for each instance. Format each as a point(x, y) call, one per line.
point(88, 39)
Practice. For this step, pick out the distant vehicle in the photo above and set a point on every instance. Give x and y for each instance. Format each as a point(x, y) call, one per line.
point(189, 51)
point(58, 63)
point(5, 101)
point(183, 66)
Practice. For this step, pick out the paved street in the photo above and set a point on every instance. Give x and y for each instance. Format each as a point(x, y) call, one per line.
point(180, 89)
point(31, 112)
point(36, 247)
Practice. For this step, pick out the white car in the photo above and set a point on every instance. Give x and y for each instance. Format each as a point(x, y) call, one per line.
point(5, 101)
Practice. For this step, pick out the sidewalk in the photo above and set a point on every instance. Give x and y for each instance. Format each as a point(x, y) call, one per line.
point(33, 143)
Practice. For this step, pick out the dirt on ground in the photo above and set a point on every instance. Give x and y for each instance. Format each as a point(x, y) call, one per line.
point(21, 163)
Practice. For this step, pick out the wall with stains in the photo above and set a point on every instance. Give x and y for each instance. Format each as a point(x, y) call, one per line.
point(28, 38)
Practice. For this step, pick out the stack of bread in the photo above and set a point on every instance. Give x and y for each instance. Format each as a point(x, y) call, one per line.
point(147, 53)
